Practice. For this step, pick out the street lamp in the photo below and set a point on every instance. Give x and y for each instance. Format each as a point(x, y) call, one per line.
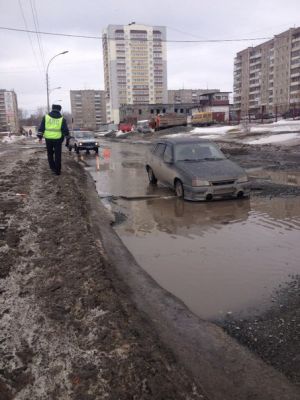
point(56, 88)
point(47, 76)
point(52, 90)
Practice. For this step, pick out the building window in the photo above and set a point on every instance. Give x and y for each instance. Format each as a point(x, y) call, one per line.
point(140, 112)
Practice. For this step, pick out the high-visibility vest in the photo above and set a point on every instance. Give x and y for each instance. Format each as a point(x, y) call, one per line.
point(53, 127)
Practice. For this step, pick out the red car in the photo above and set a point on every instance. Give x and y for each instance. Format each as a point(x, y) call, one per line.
point(126, 127)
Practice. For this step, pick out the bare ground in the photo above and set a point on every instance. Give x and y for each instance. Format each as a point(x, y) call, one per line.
point(68, 330)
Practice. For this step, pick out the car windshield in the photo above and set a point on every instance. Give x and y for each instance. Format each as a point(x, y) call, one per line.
point(84, 135)
point(197, 152)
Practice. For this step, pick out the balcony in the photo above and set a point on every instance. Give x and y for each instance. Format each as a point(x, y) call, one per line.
point(251, 85)
point(295, 74)
point(295, 40)
point(254, 57)
point(295, 83)
point(295, 89)
point(296, 100)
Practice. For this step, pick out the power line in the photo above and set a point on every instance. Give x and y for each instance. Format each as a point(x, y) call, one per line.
point(37, 35)
point(148, 40)
point(29, 37)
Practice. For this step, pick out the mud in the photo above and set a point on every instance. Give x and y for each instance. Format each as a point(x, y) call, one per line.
point(68, 329)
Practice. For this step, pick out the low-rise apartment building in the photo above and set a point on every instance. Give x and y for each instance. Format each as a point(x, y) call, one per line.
point(193, 95)
point(88, 109)
point(207, 100)
point(9, 121)
point(267, 76)
point(211, 101)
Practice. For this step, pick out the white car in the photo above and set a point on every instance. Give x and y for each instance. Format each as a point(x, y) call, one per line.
point(83, 140)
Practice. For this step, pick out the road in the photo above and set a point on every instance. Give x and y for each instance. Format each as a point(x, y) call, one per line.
point(226, 260)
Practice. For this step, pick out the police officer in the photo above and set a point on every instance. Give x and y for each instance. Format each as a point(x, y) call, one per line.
point(54, 128)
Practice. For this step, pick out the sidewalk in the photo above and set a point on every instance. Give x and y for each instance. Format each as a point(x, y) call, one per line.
point(80, 320)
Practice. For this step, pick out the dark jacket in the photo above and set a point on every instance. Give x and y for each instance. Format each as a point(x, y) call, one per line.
point(64, 127)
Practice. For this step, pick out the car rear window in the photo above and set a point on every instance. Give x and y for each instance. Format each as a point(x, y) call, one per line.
point(159, 149)
point(197, 151)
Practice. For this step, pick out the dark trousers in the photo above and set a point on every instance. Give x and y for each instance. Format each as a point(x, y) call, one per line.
point(54, 154)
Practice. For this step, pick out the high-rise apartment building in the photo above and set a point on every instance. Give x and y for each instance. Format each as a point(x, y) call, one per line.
point(135, 66)
point(88, 109)
point(9, 121)
point(267, 76)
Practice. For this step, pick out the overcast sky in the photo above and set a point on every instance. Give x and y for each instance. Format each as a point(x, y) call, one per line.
point(190, 65)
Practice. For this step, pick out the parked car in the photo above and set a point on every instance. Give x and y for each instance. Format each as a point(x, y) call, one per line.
point(82, 140)
point(126, 127)
point(196, 169)
point(143, 126)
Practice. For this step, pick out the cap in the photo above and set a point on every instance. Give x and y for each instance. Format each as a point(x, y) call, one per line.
point(56, 107)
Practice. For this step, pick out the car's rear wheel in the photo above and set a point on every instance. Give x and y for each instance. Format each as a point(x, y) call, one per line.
point(70, 148)
point(151, 176)
point(179, 189)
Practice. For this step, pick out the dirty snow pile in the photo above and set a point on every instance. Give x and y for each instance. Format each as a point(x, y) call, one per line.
point(210, 132)
point(213, 130)
point(11, 139)
point(275, 138)
point(279, 126)
point(121, 133)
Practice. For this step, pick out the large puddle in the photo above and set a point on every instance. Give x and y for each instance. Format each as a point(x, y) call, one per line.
point(218, 257)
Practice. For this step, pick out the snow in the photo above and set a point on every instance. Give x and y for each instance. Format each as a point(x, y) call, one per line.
point(275, 138)
point(11, 139)
point(211, 130)
point(120, 133)
point(279, 126)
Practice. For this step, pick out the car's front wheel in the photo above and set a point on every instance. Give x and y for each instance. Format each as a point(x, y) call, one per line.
point(76, 149)
point(151, 176)
point(179, 188)
point(70, 148)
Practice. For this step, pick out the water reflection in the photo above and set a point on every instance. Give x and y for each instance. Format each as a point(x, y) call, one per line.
point(217, 257)
point(186, 218)
point(291, 178)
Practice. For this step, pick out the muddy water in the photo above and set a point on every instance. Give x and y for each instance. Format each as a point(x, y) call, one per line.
point(291, 178)
point(219, 257)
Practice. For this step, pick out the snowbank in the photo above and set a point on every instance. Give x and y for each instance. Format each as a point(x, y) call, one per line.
point(213, 130)
point(120, 133)
point(275, 138)
point(11, 139)
point(279, 126)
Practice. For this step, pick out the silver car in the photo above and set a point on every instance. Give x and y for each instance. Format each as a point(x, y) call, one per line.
point(196, 169)
point(83, 140)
